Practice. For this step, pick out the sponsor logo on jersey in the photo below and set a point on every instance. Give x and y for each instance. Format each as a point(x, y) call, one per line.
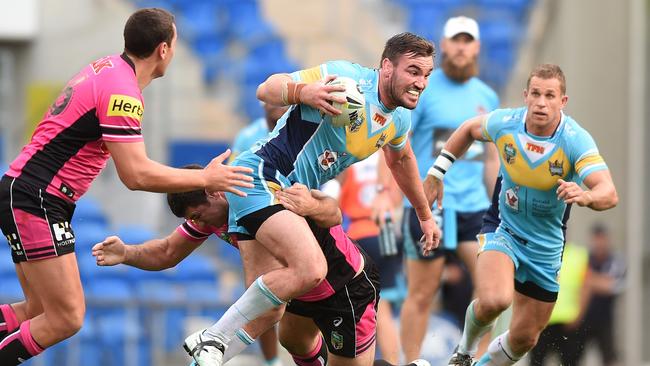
point(337, 340)
point(509, 153)
point(101, 64)
point(556, 168)
point(125, 106)
point(63, 233)
point(512, 198)
point(62, 101)
point(535, 148)
point(327, 159)
point(355, 124)
point(378, 120)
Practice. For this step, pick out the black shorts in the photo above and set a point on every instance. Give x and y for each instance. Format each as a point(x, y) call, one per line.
point(36, 223)
point(468, 225)
point(347, 319)
point(254, 220)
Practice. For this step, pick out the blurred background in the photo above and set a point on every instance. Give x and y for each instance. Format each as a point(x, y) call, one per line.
point(226, 48)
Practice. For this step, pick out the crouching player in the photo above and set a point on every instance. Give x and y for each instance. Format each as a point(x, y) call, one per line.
point(335, 321)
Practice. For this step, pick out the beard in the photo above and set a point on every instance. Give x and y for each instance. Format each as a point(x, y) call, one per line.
point(459, 74)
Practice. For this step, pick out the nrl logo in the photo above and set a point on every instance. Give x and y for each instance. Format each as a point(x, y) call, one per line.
point(509, 153)
point(556, 168)
point(356, 120)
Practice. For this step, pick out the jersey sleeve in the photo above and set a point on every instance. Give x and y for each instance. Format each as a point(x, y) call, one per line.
point(495, 121)
point(193, 232)
point(339, 68)
point(585, 155)
point(120, 111)
point(402, 131)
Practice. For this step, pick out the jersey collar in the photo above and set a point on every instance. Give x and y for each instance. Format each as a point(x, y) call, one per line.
point(128, 60)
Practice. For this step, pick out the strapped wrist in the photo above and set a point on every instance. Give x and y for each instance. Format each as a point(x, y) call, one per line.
point(442, 164)
point(290, 93)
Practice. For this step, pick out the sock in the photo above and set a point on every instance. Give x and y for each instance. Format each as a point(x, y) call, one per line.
point(499, 353)
point(18, 346)
point(275, 361)
point(257, 300)
point(473, 330)
point(8, 320)
point(237, 344)
point(386, 363)
point(317, 357)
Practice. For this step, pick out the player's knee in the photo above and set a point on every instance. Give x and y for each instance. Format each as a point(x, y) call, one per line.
point(523, 342)
point(491, 306)
point(311, 273)
point(69, 320)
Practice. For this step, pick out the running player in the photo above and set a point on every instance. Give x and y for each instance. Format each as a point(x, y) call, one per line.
point(337, 316)
point(306, 148)
point(244, 140)
point(97, 116)
point(454, 95)
point(544, 156)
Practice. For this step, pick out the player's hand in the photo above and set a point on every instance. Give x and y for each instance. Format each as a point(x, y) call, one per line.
point(318, 95)
point(571, 192)
point(298, 199)
point(431, 238)
point(225, 178)
point(109, 252)
point(382, 206)
point(433, 189)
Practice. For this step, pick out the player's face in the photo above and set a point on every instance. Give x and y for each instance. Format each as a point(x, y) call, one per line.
point(213, 213)
point(545, 102)
point(407, 78)
point(462, 49)
point(166, 54)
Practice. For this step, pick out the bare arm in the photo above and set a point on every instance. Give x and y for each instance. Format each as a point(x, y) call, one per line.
point(600, 196)
point(281, 89)
point(153, 255)
point(316, 205)
point(138, 172)
point(403, 166)
point(491, 168)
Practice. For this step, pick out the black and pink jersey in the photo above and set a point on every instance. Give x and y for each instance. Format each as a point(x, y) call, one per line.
point(344, 260)
point(101, 103)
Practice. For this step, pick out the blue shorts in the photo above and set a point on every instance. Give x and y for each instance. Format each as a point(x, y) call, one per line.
point(457, 227)
point(534, 278)
point(389, 267)
point(266, 180)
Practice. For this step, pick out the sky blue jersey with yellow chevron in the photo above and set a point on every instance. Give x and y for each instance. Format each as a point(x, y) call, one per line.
point(443, 107)
point(306, 148)
point(531, 167)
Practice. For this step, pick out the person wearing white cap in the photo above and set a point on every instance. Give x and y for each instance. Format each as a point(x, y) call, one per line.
point(454, 95)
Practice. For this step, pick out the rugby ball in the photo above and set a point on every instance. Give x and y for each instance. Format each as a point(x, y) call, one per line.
point(353, 108)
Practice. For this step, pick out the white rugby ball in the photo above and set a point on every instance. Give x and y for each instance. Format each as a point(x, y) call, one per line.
point(353, 108)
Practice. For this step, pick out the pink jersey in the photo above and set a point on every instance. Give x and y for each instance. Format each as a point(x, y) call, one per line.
point(199, 234)
point(66, 153)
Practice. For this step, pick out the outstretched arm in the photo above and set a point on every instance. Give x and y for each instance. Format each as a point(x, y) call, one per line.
point(153, 255)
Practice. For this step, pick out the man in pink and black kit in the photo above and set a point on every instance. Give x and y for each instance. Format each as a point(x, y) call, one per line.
point(97, 116)
point(342, 308)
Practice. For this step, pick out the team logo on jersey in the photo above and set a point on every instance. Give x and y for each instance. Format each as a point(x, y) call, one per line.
point(63, 233)
point(125, 106)
point(378, 120)
point(509, 153)
point(101, 64)
point(62, 101)
point(336, 339)
point(556, 167)
point(327, 159)
point(381, 141)
point(356, 122)
point(512, 198)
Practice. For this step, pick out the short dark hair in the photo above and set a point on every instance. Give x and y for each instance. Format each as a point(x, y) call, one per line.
point(407, 43)
point(146, 29)
point(548, 71)
point(180, 201)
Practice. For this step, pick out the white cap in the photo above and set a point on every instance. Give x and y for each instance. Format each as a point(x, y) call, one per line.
point(461, 24)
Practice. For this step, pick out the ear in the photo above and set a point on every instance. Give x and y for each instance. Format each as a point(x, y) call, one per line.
point(163, 50)
point(387, 67)
point(565, 99)
point(525, 94)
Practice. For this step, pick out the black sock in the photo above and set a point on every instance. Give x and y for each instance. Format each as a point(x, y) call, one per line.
point(12, 351)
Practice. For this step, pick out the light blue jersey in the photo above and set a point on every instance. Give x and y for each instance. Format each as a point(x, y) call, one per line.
point(443, 107)
point(306, 148)
point(247, 137)
point(531, 166)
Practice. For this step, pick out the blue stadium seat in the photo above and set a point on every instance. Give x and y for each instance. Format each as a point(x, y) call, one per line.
point(135, 234)
point(245, 22)
point(89, 210)
point(10, 290)
point(197, 18)
point(87, 234)
point(427, 20)
point(164, 299)
point(196, 268)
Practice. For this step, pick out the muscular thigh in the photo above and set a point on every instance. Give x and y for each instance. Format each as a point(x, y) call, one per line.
point(257, 260)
